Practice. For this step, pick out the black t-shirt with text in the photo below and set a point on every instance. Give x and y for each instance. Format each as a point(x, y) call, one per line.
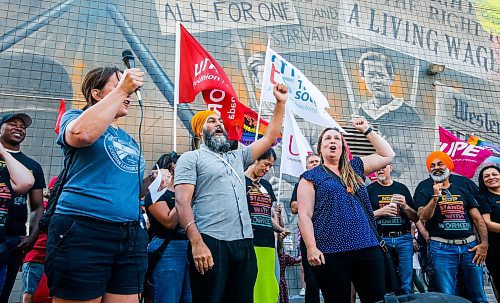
point(18, 209)
point(451, 217)
point(380, 196)
point(5, 198)
point(456, 180)
point(260, 197)
point(157, 229)
point(489, 203)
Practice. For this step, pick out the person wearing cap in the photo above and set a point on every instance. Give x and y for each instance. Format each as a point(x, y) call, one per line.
point(12, 133)
point(212, 207)
point(15, 179)
point(450, 214)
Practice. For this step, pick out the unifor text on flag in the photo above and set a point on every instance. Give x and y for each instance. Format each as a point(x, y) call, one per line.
point(199, 72)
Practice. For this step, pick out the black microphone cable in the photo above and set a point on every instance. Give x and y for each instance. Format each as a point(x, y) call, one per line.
point(129, 61)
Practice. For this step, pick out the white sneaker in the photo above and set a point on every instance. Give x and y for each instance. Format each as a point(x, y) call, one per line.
point(302, 292)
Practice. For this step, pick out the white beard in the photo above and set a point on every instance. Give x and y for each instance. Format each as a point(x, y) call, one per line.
point(441, 178)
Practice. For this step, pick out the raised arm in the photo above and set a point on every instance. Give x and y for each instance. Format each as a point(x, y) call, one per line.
point(274, 128)
point(92, 123)
point(21, 179)
point(383, 151)
point(305, 199)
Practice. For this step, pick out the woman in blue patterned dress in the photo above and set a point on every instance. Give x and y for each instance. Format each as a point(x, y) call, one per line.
point(341, 245)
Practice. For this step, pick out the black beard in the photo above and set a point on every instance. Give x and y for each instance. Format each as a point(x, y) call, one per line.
point(215, 143)
point(11, 142)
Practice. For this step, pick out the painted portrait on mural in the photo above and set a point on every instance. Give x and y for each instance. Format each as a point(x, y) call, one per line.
point(377, 72)
point(387, 96)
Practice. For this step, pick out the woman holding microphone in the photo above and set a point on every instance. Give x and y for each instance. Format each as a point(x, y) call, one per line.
point(96, 248)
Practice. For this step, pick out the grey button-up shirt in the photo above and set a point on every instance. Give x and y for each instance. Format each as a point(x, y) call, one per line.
point(219, 200)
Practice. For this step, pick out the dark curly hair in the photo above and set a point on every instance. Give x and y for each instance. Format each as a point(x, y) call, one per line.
point(167, 160)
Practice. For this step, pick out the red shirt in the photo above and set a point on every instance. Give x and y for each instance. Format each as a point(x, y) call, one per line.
point(37, 254)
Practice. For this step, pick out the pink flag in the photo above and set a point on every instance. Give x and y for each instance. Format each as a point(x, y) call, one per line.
point(465, 156)
point(60, 113)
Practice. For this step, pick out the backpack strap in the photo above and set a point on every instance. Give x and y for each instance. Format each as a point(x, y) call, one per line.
point(44, 221)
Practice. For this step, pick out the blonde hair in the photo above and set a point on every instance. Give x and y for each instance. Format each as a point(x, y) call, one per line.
point(348, 177)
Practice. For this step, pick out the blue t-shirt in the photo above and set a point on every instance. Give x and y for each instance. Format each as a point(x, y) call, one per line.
point(102, 180)
point(339, 222)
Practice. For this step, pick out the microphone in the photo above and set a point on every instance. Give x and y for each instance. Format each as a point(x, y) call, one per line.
point(129, 61)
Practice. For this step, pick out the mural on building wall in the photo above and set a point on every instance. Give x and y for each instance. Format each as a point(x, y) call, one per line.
point(368, 57)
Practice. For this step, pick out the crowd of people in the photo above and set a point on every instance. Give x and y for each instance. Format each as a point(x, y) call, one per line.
point(215, 234)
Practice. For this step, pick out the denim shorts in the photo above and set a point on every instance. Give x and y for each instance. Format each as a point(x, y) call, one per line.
point(87, 257)
point(32, 274)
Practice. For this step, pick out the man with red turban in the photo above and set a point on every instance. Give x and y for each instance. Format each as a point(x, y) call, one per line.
point(450, 213)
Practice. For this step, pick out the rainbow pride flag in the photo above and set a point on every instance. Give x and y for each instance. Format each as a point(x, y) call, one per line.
point(495, 158)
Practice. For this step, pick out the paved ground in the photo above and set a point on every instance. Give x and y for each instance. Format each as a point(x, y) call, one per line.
point(16, 297)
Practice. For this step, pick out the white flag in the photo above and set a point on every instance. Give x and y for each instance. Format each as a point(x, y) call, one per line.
point(294, 149)
point(304, 99)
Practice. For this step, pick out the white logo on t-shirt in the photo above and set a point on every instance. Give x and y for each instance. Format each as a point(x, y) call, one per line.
point(124, 155)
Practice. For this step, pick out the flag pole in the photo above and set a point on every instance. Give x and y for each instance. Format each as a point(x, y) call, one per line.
point(177, 78)
point(279, 183)
point(261, 99)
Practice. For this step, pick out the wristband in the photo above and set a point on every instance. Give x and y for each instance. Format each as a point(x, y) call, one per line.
point(436, 196)
point(369, 130)
point(187, 225)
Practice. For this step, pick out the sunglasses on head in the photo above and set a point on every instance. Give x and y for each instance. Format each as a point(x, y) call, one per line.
point(448, 194)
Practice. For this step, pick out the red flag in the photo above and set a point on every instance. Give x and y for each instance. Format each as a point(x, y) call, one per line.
point(199, 72)
point(60, 113)
point(466, 157)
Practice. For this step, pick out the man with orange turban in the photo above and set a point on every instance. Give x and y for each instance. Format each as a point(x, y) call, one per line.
point(199, 120)
point(212, 207)
point(450, 214)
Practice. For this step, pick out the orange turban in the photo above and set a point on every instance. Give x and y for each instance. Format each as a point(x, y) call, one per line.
point(199, 120)
point(441, 156)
